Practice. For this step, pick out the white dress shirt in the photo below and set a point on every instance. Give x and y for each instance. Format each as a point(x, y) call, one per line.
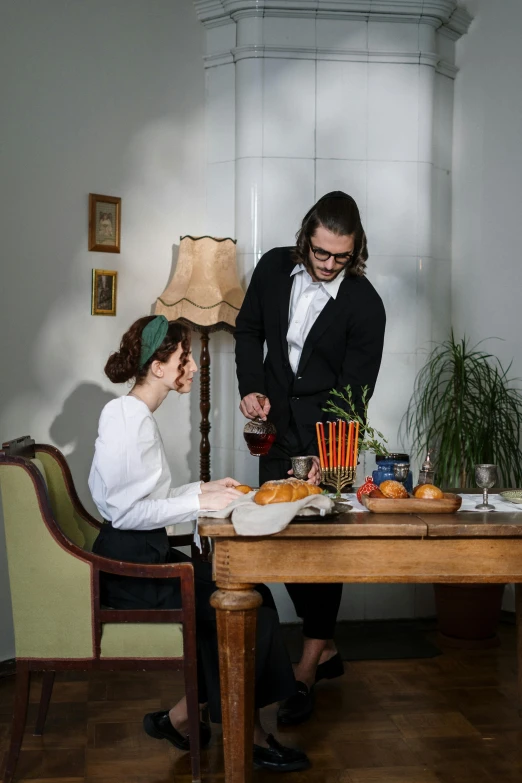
point(130, 480)
point(307, 300)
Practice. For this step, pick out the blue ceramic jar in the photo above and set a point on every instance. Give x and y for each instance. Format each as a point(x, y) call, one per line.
point(384, 470)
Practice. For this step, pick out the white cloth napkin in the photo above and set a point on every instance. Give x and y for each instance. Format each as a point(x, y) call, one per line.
point(470, 501)
point(249, 519)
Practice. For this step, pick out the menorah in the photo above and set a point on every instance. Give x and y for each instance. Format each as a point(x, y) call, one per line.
point(338, 461)
point(338, 478)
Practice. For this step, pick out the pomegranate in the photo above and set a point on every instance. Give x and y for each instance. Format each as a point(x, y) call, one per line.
point(366, 488)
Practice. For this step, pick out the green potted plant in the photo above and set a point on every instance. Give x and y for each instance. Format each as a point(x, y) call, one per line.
point(468, 409)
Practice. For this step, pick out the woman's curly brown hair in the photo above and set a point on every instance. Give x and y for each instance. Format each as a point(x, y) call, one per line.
point(124, 365)
point(338, 213)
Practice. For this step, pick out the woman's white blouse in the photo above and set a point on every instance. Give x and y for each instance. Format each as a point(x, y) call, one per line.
point(130, 480)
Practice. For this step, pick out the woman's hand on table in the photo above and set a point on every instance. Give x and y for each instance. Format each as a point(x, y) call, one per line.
point(314, 477)
point(219, 484)
point(217, 499)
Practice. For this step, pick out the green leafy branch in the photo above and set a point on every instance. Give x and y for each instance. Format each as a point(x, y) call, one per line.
point(369, 438)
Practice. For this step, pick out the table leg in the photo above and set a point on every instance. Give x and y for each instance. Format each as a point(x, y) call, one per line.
point(236, 613)
point(518, 610)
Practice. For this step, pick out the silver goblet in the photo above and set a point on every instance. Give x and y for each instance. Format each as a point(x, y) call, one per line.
point(485, 478)
point(302, 466)
point(400, 471)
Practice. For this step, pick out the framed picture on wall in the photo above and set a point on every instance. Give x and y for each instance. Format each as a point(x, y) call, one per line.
point(104, 286)
point(104, 223)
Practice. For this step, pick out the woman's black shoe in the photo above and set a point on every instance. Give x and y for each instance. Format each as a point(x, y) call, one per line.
point(330, 669)
point(158, 725)
point(279, 758)
point(297, 708)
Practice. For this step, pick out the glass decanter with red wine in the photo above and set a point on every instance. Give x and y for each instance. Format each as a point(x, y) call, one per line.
point(258, 434)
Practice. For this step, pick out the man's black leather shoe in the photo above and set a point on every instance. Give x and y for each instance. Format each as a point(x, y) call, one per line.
point(279, 758)
point(297, 708)
point(158, 725)
point(330, 669)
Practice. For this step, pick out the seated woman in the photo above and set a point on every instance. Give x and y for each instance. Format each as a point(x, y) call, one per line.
point(130, 482)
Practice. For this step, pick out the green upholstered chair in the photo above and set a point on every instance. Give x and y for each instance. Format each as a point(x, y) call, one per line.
point(54, 577)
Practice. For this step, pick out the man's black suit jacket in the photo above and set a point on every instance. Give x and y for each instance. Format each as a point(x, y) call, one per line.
point(344, 346)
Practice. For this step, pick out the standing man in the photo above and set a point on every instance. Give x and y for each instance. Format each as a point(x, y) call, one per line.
point(323, 325)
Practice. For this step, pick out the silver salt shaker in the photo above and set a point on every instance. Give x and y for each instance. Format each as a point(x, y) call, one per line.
point(427, 471)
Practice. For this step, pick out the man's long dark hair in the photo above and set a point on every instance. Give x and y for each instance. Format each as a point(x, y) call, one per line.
point(338, 213)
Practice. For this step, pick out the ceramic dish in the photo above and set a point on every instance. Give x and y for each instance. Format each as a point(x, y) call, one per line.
point(513, 495)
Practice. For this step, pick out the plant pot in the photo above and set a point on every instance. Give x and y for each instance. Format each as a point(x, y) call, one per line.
point(468, 614)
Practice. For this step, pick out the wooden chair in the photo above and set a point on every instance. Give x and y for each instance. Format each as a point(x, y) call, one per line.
point(55, 589)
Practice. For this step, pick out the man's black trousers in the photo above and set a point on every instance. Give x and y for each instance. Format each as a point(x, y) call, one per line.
point(317, 604)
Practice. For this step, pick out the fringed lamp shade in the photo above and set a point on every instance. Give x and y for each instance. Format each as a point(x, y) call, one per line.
point(205, 290)
point(206, 294)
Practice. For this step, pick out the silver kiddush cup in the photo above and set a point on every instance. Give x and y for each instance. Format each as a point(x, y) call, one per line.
point(486, 476)
point(302, 467)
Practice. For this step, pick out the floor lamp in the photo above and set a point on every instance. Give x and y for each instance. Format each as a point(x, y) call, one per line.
point(206, 294)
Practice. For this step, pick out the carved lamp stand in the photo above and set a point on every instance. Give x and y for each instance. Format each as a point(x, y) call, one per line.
point(204, 293)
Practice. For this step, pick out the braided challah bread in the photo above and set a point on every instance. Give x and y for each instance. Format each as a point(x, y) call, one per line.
point(284, 491)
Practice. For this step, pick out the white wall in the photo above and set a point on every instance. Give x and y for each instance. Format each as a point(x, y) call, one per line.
point(487, 184)
point(487, 180)
point(105, 98)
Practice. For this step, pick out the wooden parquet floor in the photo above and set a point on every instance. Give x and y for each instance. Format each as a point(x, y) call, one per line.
point(450, 719)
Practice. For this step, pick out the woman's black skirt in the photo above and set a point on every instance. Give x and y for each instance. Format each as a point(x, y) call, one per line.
point(274, 675)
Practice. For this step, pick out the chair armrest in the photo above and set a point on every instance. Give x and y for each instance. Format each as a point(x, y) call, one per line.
point(184, 615)
point(124, 568)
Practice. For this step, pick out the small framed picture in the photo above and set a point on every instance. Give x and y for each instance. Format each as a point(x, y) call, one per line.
point(104, 285)
point(104, 223)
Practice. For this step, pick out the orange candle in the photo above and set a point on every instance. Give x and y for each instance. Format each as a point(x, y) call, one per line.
point(356, 445)
point(334, 443)
point(330, 455)
point(339, 443)
point(319, 443)
point(323, 444)
point(328, 446)
point(349, 446)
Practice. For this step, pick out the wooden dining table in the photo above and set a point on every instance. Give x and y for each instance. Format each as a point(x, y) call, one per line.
point(353, 548)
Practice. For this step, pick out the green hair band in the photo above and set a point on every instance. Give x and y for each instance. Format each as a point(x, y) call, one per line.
point(151, 338)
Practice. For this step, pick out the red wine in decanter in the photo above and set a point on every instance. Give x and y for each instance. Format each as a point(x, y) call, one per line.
point(258, 434)
point(259, 443)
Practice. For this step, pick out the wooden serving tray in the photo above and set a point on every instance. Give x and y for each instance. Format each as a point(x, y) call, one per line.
point(446, 505)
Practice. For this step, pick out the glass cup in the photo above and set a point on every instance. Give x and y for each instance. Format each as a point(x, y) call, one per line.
point(485, 478)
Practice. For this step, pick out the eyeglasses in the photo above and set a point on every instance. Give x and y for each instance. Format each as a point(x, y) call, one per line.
point(324, 255)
